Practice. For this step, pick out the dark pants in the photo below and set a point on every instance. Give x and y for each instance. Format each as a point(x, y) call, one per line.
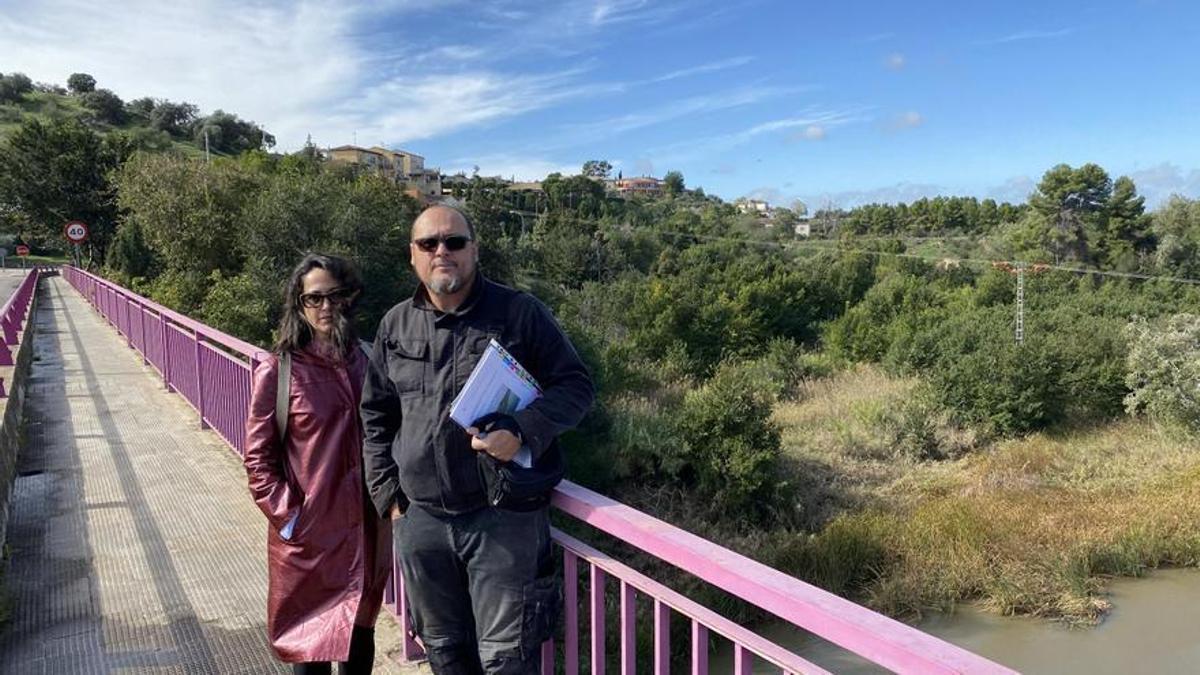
point(361, 659)
point(481, 587)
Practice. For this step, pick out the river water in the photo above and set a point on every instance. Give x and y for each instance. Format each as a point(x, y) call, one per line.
point(1153, 627)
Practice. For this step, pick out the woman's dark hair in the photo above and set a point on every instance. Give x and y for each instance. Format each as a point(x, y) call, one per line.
point(294, 333)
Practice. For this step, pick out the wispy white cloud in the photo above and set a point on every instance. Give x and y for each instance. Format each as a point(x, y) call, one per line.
point(905, 120)
point(889, 194)
point(812, 132)
point(404, 109)
point(517, 167)
point(715, 66)
point(1021, 36)
point(1159, 182)
point(688, 107)
point(817, 119)
point(604, 12)
point(895, 61)
point(1015, 190)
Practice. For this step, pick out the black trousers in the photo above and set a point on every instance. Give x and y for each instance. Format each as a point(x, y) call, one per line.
point(481, 587)
point(361, 659)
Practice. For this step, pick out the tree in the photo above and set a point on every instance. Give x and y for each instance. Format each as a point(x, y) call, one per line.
point(597, 168)
point(107, 106)
point(174, 118)
point(227, 133)
point(13, 87)
point(81, 83)
point(673, 183)
point(141, 107)
point(1177, 228)
point(1127, 227)
point(1075, 201)
point(58, 171)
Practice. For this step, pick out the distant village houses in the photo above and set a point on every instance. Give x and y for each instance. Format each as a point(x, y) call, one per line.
point(756, 207)
point(405, 168)
point(645, 185)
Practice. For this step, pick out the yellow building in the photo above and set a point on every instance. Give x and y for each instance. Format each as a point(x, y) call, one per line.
point(405, 168)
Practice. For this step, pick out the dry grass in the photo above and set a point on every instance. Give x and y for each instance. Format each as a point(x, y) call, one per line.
point(1030, 526)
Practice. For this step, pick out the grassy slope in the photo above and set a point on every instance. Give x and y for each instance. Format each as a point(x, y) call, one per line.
point(1028, 526)
point(47, 106)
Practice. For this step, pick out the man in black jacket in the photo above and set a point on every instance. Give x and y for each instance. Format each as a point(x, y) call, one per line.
point(479, 578)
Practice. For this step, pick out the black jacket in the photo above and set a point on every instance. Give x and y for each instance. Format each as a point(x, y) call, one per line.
point(412, 451)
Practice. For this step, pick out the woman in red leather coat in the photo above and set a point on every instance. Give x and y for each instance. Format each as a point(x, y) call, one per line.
point(328, 553)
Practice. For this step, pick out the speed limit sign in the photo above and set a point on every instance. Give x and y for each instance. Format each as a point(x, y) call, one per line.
point(76, 231)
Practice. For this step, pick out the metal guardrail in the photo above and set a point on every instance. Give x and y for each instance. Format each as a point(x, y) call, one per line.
point(13, 316)
point(211, 370)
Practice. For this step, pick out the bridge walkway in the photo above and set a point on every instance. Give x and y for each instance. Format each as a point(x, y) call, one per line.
point(134, 544)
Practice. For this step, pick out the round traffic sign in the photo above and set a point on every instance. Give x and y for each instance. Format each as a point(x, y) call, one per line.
point(22, 249)
point(76, 231)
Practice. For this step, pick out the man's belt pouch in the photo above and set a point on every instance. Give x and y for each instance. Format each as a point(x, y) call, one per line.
point(511, 486)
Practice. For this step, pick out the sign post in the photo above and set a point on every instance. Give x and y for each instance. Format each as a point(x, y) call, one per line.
point(76, 232)
point(22, 252)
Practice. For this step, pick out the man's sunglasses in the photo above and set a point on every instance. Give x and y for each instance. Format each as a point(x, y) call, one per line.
point(338, 297)
point(454, 242)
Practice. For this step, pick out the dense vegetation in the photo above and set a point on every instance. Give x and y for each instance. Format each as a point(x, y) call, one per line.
point(728, 353)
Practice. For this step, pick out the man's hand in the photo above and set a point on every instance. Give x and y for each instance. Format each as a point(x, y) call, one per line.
point(396, 513)
point(501, 444)
point(496, 434)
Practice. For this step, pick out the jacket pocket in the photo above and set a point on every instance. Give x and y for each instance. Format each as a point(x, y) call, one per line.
point(406, 361)
point(542, 605)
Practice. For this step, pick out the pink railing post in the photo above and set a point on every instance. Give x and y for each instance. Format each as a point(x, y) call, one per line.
point(742, 660)
point(662, 638)
point(199, 381)
point(628, 629)
point(571, 600)
point(142, 330)
point(166, 351)
point(699, 648)
point(597, 619)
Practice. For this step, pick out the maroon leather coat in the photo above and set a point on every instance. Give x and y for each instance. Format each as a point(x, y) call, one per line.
point(330, 575)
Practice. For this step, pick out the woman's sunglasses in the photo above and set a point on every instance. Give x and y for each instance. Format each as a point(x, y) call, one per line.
point(338, 297)
point(454, 242)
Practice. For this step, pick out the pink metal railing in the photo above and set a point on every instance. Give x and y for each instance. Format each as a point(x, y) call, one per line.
point(12, 319)
point(212, 370)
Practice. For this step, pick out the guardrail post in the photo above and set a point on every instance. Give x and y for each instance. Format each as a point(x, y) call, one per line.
point(142, 330)
point(199, 382)
point(166, 371)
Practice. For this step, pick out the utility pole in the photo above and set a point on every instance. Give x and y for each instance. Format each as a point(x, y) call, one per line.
point(207, 158)
point(1020, 304)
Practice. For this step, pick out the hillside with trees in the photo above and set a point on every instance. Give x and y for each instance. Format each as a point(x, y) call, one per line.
point(60, 144)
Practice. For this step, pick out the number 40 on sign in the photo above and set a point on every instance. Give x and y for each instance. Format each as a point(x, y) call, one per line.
point(76, 231)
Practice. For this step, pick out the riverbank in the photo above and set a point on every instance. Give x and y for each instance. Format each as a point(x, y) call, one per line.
point(1032, 526)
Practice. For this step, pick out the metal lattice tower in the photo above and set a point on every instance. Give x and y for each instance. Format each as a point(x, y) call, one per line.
point(1020, 304)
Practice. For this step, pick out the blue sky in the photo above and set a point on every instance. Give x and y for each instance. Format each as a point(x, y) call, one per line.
point(832, 103)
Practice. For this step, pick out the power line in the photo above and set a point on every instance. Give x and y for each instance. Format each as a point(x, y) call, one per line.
point(814, 245)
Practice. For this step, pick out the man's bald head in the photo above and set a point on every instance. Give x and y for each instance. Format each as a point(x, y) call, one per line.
point(441, 213)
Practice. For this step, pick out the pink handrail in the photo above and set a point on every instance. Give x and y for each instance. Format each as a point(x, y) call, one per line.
point(869, 634)
point(873, 636)
point(13, 315)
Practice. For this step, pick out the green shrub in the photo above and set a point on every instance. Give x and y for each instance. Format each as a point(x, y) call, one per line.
point(1164, 370)
point(245, 305)
point(729, 446)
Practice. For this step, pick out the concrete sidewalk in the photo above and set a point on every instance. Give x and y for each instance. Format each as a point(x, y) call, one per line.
point(135, 546)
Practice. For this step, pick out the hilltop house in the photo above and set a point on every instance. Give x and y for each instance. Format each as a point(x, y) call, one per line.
point(645, 185)
point(405, 168)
